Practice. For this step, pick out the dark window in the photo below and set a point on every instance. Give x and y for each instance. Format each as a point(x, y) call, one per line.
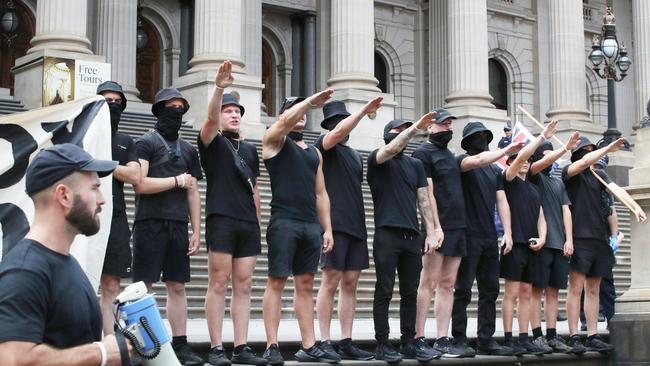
point(267, 79)
point(498, 84)
point(381, 73)
point(147, 69)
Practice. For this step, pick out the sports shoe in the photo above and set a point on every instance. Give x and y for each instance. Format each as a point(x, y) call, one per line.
point(542, 344)
point(597, 344)
point(186, 357)
point(386, 353)
point(492, 348)
point(247, 356)
point(316, 354)
point(558, 345)
point(329, 348)
point(517, 349)
point(531, 348)
point(445, 346)
point(217, 357)
point(350, 351)
point(272, 355)
point(575, 342)
point(419, 350)
point(462, 346)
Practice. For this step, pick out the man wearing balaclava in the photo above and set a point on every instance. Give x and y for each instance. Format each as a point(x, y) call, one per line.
point(482, 190)
point(117, 261)
point(167, 198)
point(440, 269)
point(398, 186)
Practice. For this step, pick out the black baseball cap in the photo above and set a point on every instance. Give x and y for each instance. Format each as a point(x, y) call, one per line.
point(507, 128)
point(442, 115)
point(396, 123)
point(290, 102)
point(56, 162)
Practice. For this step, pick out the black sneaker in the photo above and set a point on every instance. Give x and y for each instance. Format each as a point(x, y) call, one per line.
point(492, 348)
point(247, 356)
point(350, 351)
point(531, 348)
point(541, 343)
point(597, 344)
point(386, 353)
point(517, 349)
point(272, 355)
point(419, 349)
point(558, 345)
point(188, 358)
point(445, 346)
point(316, 354)
point(217, 357)
point(462, 347)
point(329, 348)
point(575, 342)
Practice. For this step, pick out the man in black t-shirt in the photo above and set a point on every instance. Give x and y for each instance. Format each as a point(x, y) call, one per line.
point(231, 167)
point(300, 223)
point(592, 257)
point(518, 264)
point(49, 313)
point(397, 182)
point(167, 196)
point(343, 172)
point(117, 262)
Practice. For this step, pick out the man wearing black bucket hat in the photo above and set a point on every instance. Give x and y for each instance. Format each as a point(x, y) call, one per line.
point(231, 167)
point(300, 225)
point(482, 190)
point(49, 313)
point(117, 262)
point(167, 196)
point(343, 171)
point(398, 185)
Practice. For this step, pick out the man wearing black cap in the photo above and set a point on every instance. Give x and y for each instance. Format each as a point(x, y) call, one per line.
point(231, 168)
point(507, 139)
point(49, 313)
point(397, 182)
point(482, 190)
point(592, 258)
point(294, 238)
point(117, 262)
point(167, 196)
point(343, 171)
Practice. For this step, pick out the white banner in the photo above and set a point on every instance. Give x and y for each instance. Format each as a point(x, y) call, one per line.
point(85, 122)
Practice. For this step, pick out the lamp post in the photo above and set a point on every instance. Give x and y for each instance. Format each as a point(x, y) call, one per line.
point(606, 49)
point(9, 23)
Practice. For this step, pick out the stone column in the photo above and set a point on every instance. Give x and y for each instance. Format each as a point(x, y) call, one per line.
point(309, 59)
point(567, 62)
point(296, 55)
point(252, 36)
point(116, 40)
point(438, 57)
point(641, 31)
point(61, 25)
point(187, 49)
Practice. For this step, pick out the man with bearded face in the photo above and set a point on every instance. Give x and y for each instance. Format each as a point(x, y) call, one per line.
point(167, 196)
point(231, 168)
point(439, 272)
point(117, 262)
point(49, 312)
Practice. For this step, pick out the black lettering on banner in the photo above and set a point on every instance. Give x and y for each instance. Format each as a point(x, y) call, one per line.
point(79, 127)
point(14, 226)
point(22, 146)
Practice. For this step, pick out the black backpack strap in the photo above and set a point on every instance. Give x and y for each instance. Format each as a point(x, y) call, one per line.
point(124, 350)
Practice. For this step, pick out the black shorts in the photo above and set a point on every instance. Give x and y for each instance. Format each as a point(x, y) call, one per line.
point(229, 235)
point(454, 243)
point(552, 269)
point(519, 264)
point(293, 247)
point(117, 261)
point(592, 257)
point(349, 254)
point(160, 245)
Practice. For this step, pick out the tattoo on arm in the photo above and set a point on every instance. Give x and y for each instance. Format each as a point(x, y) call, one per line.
point(425, 208)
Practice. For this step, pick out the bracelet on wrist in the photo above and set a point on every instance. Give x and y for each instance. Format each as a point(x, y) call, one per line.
point(175, 182)
point(102, 349)
point(218, 87)
point(310, 103)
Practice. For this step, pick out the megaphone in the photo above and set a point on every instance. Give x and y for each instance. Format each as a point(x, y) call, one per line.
point(138, 318)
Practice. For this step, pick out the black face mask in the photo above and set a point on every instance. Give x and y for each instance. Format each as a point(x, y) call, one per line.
point(441, 139)
point(169, 122)
point(231, 135)
point(116, 113)
point(390, 136)
point(295, 136)
point(579, 155)
point(476, 144)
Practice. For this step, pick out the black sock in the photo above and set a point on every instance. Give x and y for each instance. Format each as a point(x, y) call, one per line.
point(178, 341)
point(345, 341)
point(508, 336)
point(537, 332)
point(523, 337)
point(239, 348)
point(551, 333)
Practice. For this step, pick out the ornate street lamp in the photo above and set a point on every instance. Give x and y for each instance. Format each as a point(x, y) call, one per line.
point(9, 23)
point(141, 39)
point(605, 49)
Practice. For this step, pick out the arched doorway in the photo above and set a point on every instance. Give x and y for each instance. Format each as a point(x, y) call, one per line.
point(498, 84)
point(147, 69)
point(267, 79)
point(381, 72)
point(17, 46)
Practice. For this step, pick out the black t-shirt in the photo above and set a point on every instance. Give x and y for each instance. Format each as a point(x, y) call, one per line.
point(480, 188)
point(293, 182)
point(228, 193)
point(554, 196)
point(444, 170)
point(586, 193)
point(394, 186)
point(171, 204)
point(124, 152)
point(45, 297)
point(343, 170)
point(524, 200)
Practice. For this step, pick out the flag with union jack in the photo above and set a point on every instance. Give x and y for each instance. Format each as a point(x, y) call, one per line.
point(519, 133)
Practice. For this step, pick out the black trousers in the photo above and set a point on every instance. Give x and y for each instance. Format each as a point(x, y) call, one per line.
point(401, 250)
point(480, 263)
point(607, 296)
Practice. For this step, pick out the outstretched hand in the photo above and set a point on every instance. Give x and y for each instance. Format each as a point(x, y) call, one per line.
point(320, 98)
point(572, 143)
point(550, 129)
point(616, 145)
point(373, 105)
point(224, 78)
point(514, 147)
point(426, 121)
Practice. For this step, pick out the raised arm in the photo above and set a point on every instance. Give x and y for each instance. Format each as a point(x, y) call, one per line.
point(323, 208)
point(398, 144)
point(212, 124)
point(488, 157)
point(591, 158)
point(622, 195)
point(552, 156)
point(344, 128)
point(527, 152)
